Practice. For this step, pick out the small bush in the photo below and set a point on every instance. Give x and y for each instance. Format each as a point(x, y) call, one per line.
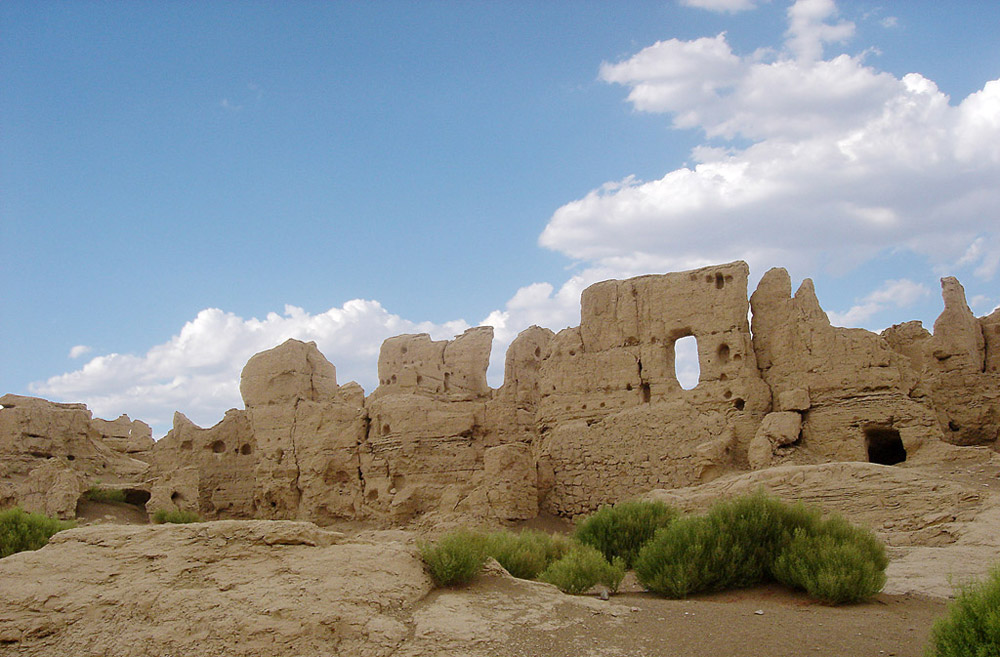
point(161, 516)
point(455, 558)
point(621, 530)
point(756, 528)
point(96, 494)
point(830, 568)
point(526, 554)
point(689, 556)
point(583, 567)
point(21, 531)
point(972, 626)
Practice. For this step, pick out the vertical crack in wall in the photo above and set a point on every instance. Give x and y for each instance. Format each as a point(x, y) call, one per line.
point(295, 455)
point(363, 444)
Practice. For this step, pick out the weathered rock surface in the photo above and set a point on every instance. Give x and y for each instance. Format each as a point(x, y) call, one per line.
point(585, 417)
point(307, 432)
point(50, 453)
point(613, 419)
point(208, 471)
point(223, 588)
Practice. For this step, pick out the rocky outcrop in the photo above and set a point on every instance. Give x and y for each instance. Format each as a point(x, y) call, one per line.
point(613, 419)
point(241, 588)
point(955, 370)
point(586, 416)
point(858, 386)
point(50, 454)
point(208, 471)
point(307, 432)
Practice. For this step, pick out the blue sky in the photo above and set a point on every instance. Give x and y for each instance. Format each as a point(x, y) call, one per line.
point(184, 184)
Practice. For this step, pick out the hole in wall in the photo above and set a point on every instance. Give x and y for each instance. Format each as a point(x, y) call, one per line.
point(723, 352)
point(646, 393)
point(246, 449)
point(720, 281)
point(884, 446)
point(687, 369)
point(218, 447)
point(739, 404)
point(137, 496)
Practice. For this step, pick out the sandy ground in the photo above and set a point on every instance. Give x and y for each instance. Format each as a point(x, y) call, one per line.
point(761, 622)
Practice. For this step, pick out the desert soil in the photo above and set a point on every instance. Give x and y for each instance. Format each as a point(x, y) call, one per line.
point(761, 622)
point(286, 589)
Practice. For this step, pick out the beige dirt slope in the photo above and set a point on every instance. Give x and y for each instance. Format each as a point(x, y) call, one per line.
point(273, 588)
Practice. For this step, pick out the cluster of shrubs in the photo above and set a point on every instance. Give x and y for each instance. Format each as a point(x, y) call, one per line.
point(458, 557)
point(755, 539)
point(21, 531)
point(738, 543)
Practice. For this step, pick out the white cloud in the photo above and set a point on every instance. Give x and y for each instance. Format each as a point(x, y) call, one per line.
point(723, 6)
point(80, 350)
point(197, 371)
point(809, 28)
point(892, 294)
point(843, 162)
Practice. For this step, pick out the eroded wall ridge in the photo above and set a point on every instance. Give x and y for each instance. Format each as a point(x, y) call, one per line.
point(586, 416)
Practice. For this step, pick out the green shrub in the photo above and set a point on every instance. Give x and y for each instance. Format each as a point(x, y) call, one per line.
point(830, 568)
point(756, 528)
point(972, 626)
point(689, 556)
point(754, 539)
point(161, 516)
point(455, 558)
point(621, 530)
point(20, 530)
point(527, 553)
point(97, 494)
point(583, 567)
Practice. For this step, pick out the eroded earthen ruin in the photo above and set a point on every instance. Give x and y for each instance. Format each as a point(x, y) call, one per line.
point(586, 416)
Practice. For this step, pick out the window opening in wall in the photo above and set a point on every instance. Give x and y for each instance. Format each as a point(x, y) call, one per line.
point(687, 369)
point(884, 446)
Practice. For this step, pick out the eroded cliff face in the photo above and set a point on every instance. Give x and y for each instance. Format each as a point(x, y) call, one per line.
point(956, 369)
point(587, 416)
point(613, 419)
point(51, 453)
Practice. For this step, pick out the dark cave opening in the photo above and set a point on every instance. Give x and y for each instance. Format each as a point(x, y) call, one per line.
point(884, 446)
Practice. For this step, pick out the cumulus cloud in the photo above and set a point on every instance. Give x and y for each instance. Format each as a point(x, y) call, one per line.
point(892, 294)
point(197, 371)
point(808, 162)
point(80, 350)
